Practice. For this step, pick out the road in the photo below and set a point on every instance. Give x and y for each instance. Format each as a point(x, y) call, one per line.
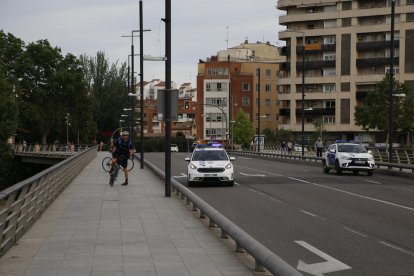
point(321, 223)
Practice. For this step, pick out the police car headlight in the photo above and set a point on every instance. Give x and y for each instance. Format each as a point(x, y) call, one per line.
point(346, 157)
point(228, 166)
point(192, 166)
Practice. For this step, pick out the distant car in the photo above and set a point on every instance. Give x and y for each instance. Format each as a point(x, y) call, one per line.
point(210, 165)
point(299, 148)
point(348, 157)
point(174, 148)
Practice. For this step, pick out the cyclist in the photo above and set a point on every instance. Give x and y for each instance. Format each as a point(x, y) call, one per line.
point(121, 152)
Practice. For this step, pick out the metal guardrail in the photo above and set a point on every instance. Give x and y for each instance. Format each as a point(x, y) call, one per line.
point(48, 151)
point(385, 166)
point(263, 257)
point(23, 203)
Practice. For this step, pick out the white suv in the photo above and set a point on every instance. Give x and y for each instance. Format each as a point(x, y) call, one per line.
point(348, 157)
point(210, 165)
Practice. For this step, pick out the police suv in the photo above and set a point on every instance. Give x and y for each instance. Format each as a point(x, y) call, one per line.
point(348, 157)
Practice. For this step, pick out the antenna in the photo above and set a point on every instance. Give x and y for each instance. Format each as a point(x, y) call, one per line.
point(227, 36)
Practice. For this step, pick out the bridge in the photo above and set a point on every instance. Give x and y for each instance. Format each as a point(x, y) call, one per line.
point(67, 220)
point(46, 154)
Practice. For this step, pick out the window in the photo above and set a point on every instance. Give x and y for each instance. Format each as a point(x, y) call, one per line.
point(246, 87)
point(329, 56)
point(345, 87)
point(329, 72)
point(329, 87)
point(217, 71)
point(396, 70)
point(410, 17)
point(329, 23)
point(329, 120)
point(186, 105)
point(277, 102)
point(329, 40)
point(267, 102)
point(245, 101)
point(329, 104)
point(267, 87)
point(268, 72)
point(216, 101)
point(208, 87)
point(346, 5)
point(346, 22)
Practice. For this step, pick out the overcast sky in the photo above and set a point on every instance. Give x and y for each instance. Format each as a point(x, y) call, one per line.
point(199, 28)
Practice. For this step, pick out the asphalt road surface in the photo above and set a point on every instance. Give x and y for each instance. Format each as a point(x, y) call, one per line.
point(322, 224)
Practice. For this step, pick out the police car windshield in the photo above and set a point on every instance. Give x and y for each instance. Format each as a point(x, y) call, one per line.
point(209, 155)
point(352, 148)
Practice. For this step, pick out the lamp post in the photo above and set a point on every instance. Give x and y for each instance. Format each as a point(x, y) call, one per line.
point(232, 134)
point(390, 126)
point(258, 109)
point(67, 127)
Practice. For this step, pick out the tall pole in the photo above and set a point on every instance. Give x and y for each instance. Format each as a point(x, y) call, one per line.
point(167, 21)
point(303, 96)
point(132, 86)
point(141, 80)
point(390, 132)
point(258, 109)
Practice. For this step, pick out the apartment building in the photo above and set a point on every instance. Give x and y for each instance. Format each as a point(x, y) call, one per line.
point(229, 81)
point(343, 47)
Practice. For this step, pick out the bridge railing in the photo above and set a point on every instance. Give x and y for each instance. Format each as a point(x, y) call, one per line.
point(396, 167)
point(54, 150)
point(23, 203)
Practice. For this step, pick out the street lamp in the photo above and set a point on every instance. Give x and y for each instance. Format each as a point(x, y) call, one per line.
point(67, 127)
point(232, 134)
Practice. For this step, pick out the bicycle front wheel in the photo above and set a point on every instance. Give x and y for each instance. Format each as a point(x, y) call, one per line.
point(130, 163)
point(107, 163)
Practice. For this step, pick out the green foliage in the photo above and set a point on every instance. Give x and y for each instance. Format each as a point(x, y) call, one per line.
point(374, 114)
point(106, 84)
point(243, 129)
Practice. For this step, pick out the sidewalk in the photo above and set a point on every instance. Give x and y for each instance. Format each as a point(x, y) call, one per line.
point(98, 230)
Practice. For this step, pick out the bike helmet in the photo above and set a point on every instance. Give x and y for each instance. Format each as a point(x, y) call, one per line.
point(125, 133)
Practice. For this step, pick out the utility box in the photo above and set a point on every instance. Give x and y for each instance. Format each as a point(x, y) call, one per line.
point(161, 103)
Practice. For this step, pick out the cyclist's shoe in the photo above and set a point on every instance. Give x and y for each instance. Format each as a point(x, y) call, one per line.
point(125, 183)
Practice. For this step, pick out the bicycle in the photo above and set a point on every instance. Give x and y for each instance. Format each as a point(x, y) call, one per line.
point(107, 164)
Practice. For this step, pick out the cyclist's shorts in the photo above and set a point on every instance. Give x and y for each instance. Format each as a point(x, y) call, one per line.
point(123, 162)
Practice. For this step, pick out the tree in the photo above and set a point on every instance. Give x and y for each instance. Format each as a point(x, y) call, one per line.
point(374, 113)
point(106, 84)
point(244, 130)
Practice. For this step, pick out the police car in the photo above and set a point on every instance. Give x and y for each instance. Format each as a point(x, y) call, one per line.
point(343, 156)
point(210, 164)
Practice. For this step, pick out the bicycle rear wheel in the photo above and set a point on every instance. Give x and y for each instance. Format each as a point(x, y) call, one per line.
point(130, 163)
point(107, 163)
point(114, 175)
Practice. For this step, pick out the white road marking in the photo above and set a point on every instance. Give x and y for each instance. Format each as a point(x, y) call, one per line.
point(370, 181)
point(365, 197)
point(260, 175)
point(355, 232)
point(397, 248)
point(339, 190)
point(308, 213)
point(331, 264)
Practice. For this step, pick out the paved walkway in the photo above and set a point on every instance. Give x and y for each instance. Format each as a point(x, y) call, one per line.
point(94, 229)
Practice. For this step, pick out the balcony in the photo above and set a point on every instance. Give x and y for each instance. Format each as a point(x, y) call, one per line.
point(317, 64)
point(317, 111)
point(316, 48)
point(376, 45)
point(284, 51)
point(375, 62)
